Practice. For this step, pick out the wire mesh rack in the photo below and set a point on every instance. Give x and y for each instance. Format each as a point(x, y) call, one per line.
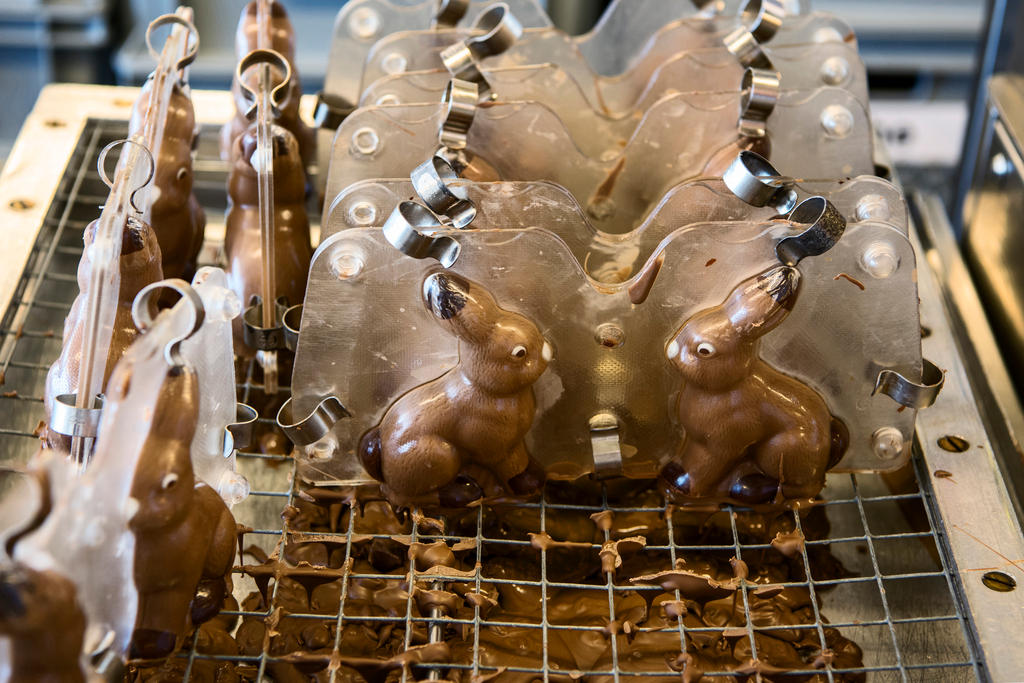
point(333, 585)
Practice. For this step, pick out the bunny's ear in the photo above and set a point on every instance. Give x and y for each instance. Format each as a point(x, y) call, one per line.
point(759, 304)
point(465, 307)
point(176, 413)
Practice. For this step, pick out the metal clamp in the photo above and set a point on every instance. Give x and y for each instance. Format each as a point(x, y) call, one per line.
point(747, 50)
point(753, 179)
point(258, 337)
point(449, 13)
point(500, 31)
point(405, 227)
point(909, 393)
point(314, 426)
point(291, 322)
point(68, 420)
point(760, 93)
point(145, 303)
point(279, 94)
point(101, 163)
point(827, 225)
point(605, 446)
point(331, 110)
point(238, 434)
point(763, 18)
point(431, 181)
point(163, 20)
point(460, 99)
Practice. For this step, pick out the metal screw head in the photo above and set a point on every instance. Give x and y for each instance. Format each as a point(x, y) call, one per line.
point(394, 63)
point(837, 120)
point(835, 70)
point(388, 98)
point(21, 204)
point(887, 443)
point(998, 581)
point(364, 23)
point(879, 260)
point(346, 263)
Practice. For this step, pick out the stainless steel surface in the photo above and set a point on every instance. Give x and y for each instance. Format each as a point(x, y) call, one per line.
point(913, 556)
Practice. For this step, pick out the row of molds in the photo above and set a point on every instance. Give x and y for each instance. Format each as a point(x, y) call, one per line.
point(361, 23)
point(368, 338)
point(626, 29)
point(825, 133)
point(147, 545)
point(421, 50)
point(713, 69)
point(612, 258)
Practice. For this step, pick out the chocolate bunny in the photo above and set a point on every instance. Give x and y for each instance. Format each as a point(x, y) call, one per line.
point(175, 215)
point(282, 40)
point(139, 266)
point(41, 615)
point(184, 533)
point(438, 442)
point(291, 225)
point(752, 433)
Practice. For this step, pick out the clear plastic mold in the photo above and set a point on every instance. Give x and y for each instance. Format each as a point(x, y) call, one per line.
point(367, 337)
point(613, 258)
point(86, 536)
point(582, 105)
point(210, 353)
point(421, 50)
point(824, 133)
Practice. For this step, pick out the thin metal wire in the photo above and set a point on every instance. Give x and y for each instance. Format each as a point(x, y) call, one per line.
point(51, 273)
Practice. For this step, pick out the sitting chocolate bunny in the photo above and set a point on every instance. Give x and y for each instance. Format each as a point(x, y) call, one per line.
point(753, 434)
point(438, 442)
point(184, 533)
point(40, 614)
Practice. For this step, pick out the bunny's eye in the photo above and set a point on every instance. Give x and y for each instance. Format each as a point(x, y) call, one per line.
point(519, 351)
point(169, 481)
point(705, 349)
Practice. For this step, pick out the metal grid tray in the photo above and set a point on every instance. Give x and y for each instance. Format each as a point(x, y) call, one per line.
point(902, 600)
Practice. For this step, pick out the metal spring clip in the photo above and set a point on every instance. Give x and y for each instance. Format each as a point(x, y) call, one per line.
point(410, 226)
point(500, 31)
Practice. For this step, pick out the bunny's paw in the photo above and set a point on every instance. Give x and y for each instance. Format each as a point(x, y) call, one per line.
point(676, 478)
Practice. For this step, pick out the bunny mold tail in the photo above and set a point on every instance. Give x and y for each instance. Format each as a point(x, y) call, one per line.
point(369, 453)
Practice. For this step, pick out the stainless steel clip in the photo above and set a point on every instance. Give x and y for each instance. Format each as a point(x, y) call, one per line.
point(760, 93)
point(449, 13)
point(431, 181)
point(68, 420)
point(917, 395)
point(238, 434)
point(753, 179)
point(605, 446)
point(747, 50)
point(460, 100)
point(261, 338)
point(409, 229)
point(500, 31)
point(314, 426)
point(826, 226)
point(763, 18)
